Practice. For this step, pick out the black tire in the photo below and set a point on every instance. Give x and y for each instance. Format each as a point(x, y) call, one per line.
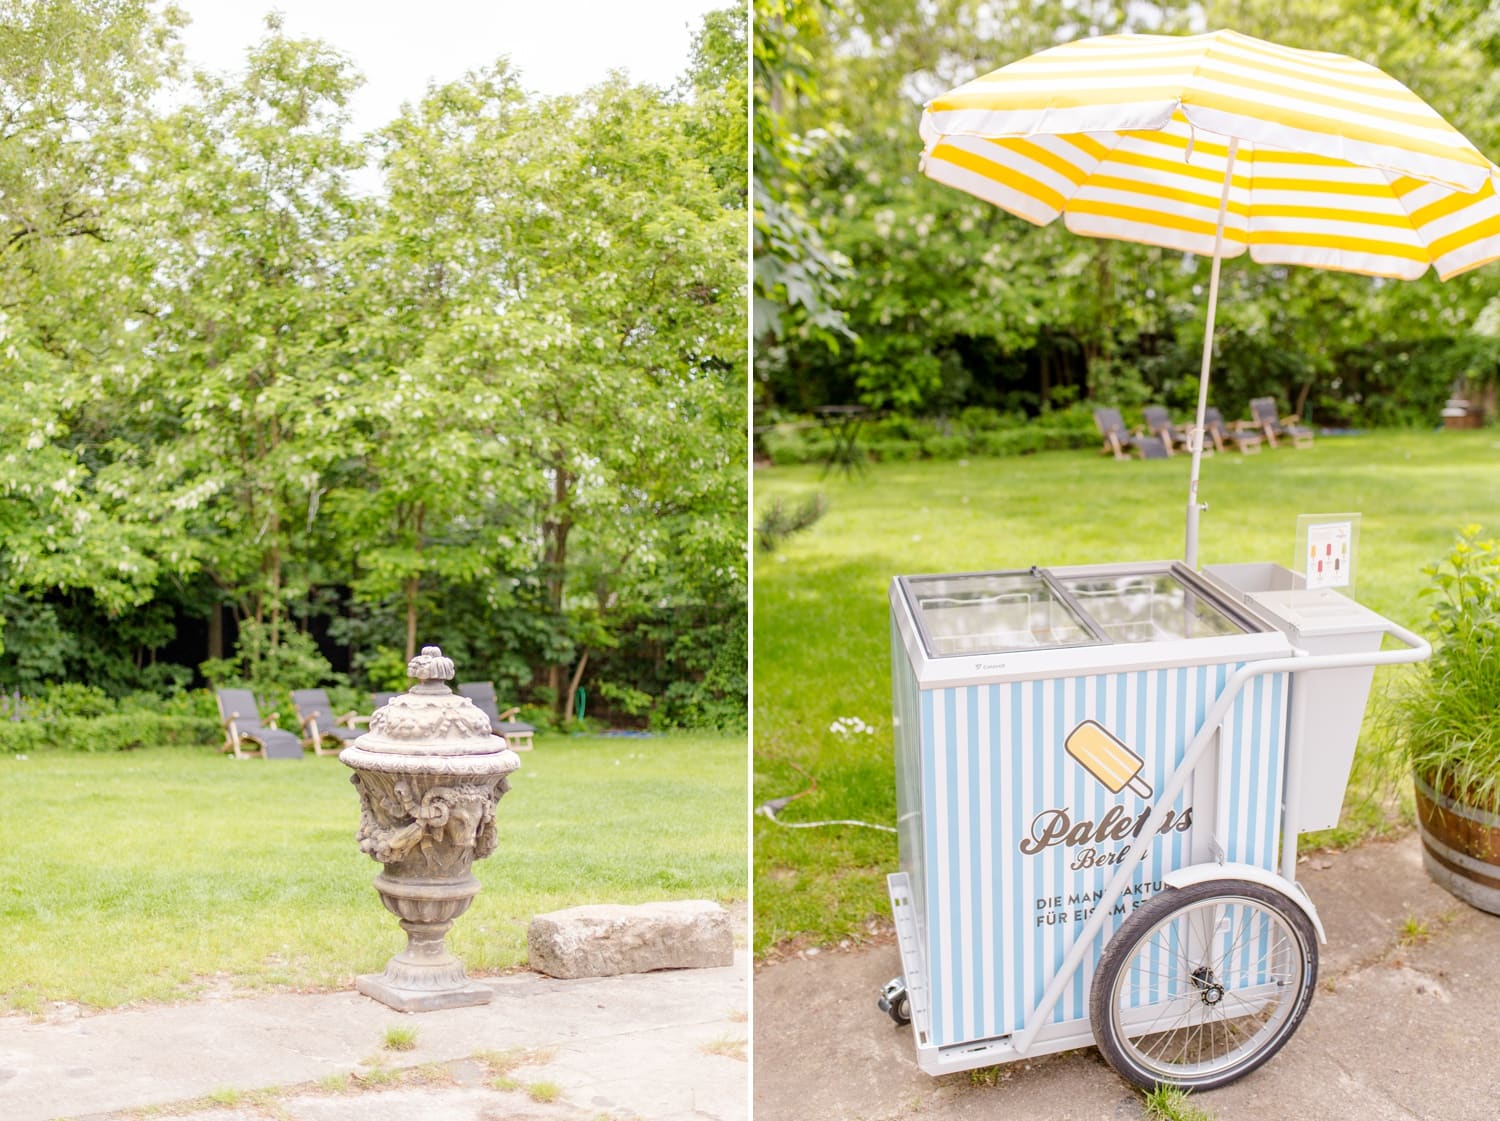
point(901, 1010)
point(1187, 1033)
point(895, 1002)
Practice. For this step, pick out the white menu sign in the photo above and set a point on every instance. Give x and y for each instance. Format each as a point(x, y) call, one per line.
point(1329, 554)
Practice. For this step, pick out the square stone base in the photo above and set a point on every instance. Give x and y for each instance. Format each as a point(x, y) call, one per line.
point(375, 986)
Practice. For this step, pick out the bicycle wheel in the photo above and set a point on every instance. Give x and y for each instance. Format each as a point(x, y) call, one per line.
point(1202, 984)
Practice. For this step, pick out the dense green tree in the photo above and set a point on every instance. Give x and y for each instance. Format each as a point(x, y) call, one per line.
point(76, 79)
point(955, 303)
point(237, 374)
point(429, 397)
point(552, 351)
point(796, 272)
point(716, 85)
point(626, 338)
point(502, 398)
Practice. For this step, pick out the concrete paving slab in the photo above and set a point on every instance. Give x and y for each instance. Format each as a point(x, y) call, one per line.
point(638, 1075)
point(1396, 1032)
point(1370, 892)
point(425, 1104)
point(636, 1046)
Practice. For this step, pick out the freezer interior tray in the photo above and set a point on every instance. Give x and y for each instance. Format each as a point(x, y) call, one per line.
point(999, 612)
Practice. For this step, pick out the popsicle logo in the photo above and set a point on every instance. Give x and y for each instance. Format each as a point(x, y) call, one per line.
point(1103, 755)
point(1116, 767)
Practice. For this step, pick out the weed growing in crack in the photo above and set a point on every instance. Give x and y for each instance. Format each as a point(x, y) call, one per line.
point(400, 1039)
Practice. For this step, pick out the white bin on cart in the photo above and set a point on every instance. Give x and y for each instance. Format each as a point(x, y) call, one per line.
point(1327, 705)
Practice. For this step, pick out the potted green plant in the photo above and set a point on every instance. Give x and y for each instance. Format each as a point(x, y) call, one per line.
point(1447, 726)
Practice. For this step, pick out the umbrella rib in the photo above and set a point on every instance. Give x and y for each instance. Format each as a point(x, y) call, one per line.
point(1405, 208)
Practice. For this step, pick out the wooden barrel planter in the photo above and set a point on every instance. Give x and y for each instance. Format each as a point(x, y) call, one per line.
point(1460, 845)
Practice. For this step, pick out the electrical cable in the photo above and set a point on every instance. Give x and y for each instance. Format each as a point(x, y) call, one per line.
point(770, 809)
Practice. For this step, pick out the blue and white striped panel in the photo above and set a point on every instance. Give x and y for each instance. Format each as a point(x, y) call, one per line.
point(909, 829)
point(995, 774)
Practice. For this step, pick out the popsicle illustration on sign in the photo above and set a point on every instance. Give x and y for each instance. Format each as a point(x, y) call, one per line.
point(1328, 555)
point(1102, 755)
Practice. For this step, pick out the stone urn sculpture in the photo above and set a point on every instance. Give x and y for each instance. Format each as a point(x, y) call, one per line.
point(429, 774)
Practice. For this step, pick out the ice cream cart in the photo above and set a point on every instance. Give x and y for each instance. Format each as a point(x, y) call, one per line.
point(1102, 772)
point(1101, 775)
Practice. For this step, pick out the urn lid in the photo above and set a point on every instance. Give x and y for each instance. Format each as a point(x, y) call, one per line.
point(430, 719)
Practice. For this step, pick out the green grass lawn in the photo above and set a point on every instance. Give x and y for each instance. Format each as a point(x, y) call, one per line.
point(156, 874)
point(821, 638)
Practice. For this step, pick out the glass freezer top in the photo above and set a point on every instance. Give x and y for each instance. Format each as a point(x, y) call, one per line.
point(988, 612)
point(1149, 607)
point(1001, 612)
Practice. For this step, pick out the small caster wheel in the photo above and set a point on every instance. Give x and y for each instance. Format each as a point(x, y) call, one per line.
point(895, 1002)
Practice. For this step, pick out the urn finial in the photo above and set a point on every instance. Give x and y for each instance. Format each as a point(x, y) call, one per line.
point(430, 669)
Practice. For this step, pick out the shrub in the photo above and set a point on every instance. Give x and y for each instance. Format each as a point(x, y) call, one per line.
point(790, 445)
point(976, 419)
point(893, 451)
point(385, 669)
point(1014, 441)
point(631, 702)
point(973, 431)
point(1056, 439)
point(690, 662)
point(73, 698)
point(21, 737)
point(345, 698)
point(1078, 419)
point(945, 447)
point(1448, 726)
point(541, 717)
point(186, 702)
point(292, 662)
point(902, 427)
point(686, 704)
point(121, 731)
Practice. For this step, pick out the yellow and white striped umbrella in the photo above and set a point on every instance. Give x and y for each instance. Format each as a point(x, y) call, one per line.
point(1216, 143)
point(1336, 165)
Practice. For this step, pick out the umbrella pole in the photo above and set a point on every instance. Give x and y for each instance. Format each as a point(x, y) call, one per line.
point(1190, 553)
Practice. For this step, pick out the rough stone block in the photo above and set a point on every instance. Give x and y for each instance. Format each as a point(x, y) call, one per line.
point(603, 940)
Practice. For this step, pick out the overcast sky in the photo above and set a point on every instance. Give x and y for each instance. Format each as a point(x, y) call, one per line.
point(559, 46)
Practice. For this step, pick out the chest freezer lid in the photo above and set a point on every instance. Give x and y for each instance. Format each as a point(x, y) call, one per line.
point(1315, 612)
point(994, 613)
point(1152, 603)
point(964, 614)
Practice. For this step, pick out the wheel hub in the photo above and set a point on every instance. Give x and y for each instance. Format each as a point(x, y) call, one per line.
point(1210, 991)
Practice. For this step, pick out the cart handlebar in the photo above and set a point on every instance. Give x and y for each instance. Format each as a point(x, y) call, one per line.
point(1419, 649)
point(1415, 649)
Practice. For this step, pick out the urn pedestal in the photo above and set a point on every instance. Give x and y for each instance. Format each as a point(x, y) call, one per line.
point(429, 775)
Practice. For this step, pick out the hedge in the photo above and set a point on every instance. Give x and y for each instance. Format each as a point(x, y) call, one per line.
point(124, 731)
point(898, 438)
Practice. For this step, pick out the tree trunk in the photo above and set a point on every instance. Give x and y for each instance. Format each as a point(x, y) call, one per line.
point(274, 578)
point(1104, 279)
point(573, 686)
point(411, 617)
point(555, 532)
point(274, 501)
point(413, 586)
